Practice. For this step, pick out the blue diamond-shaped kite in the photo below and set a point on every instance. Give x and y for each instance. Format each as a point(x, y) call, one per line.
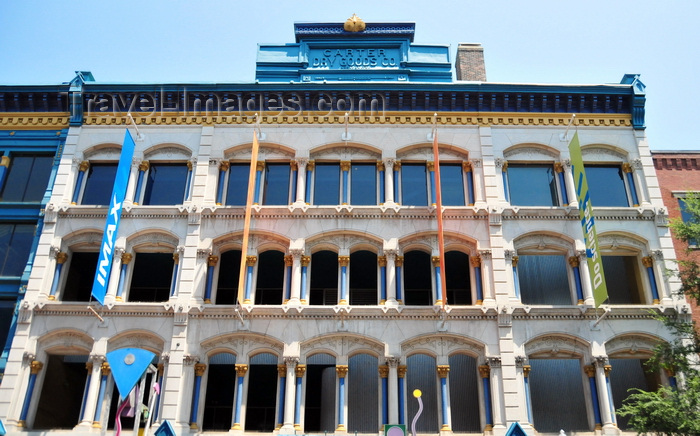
point(128, 365)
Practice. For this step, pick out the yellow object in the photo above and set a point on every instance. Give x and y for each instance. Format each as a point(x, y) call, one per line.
point(417, 393)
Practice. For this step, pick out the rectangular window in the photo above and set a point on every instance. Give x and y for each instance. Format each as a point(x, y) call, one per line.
point(557, 395)
point(166, 184)
point(276, 191)
point(7, 310)
point(687, 217)
point(622, 279)
point(81, 276)
point(327, 184)
point(544, 279)
point(237, 189)
point(363, 184)
point(99, 184)
point(414, 185)
point(150, 281)
point(452, 184)
point(606, 185)
point(15, 245)
point(27, 178)
point(532, 185)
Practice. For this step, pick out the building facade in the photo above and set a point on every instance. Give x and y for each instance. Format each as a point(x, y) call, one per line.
point(342, 316)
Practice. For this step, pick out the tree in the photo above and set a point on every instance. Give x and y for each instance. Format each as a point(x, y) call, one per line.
point(675, 410)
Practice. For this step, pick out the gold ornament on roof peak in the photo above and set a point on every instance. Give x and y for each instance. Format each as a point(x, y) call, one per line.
point(354, 24)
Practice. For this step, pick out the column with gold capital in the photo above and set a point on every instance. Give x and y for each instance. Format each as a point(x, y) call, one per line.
point(126, 259)
point(61, 259)
point(241, 370)
point(342, 371)
point(443, 371)
point(34, 367)
point(105, 369)
point(211, 264)
point(250, 265)
point(344, 261)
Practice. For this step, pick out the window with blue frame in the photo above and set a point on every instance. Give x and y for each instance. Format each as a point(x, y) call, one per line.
point(276, 189)
point(606, 186)
point(327, 184)
point(15, 245)
point(687, 217)
point(414, 184)
point(27, 178)
point(452, 184)
point(237, 186)
point(166, 184)
point(363, 184)
point(7, 309)
point(99, 183)
point(532, 185)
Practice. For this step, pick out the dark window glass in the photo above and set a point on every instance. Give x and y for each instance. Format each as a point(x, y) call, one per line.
point(687, 217)
point(558, 399)
point(327, 184)
point(270, 280)
point(417, 279)
point(420, 374)
point(276, 184)
point(532, 185)
point(414, 185)
point(363, 184)
point(464, 394)
point(622, 279)
point(81, 276)
point(229, 271)
point(7, 309)
point(15, 245)
point(324, 278)
point(237, 189)
point(221, 387)
point(99, 184)
point(457, 278)
point(543, 279)
point(260, 404)
point(65, 379)
point(363, 278)
point(27, 178)
point(166, 184)
point(452, 185)
point(151, 278)
point(627, 375)
point(606, 185)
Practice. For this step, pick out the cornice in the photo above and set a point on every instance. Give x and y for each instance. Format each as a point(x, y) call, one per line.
point(34, 120)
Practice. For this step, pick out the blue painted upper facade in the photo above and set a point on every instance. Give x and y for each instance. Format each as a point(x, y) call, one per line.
point(380, 52)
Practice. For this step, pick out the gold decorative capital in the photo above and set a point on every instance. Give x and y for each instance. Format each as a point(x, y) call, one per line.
point(5, 161)
point(212, 260)
point(397, 166)
point(514, 261)
point(381, 260)
point(144, 166)
point(282, 370)
point(305, 260)
point(573, 261)
point(467, 167)
point(105, 369)
point(383, 371)
point(176, 258)
point(401, 371)
point(161, 369)
point(607, 369)
point(241, 369)
point(476, 261)
point(436, 261)
point(35, 366)
point(558, 167)
point(341, 370)
point(84, 165)
point(648, 261)
point(484, 371)
point(504, 168)
point(443, 370)
point(310, 165)
point(526, 370)
point(354, 24)
point(398, 261)
point(380, 165)
point(288, 260)
point(61, 257)
point(250, 260)
point(300, 370)
point(293, 165)
point(260, 165)
point(199, 369)
point(126, 258)
point(88, 367)
point(224, 166)
point(345, 165)
point(344, 260)
point(589, 370)
point(430, 165)
point(627, 167)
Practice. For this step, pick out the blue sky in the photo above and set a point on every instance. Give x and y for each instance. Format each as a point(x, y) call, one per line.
point(537, 41)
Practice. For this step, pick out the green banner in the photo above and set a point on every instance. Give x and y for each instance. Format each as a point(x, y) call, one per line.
point(590, 237)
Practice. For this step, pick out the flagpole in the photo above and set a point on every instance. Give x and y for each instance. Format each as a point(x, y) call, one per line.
point(248, 212)
point(438, 212)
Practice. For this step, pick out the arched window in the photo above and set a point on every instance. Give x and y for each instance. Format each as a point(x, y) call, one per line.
point(320, 398)
point(270, 278)
point(229, 270)
point(422, 374)
point(262, 391)
point(363, 393)
point(457, 278)
point(61, 393)
point(623, 279)
point(152, 276)
point(417, 281)
point(81, 275)
point(630, 374)
point(221, 386)
point(363, 278)
point(324, 278)
point(557, 396)
point(544, 278)
point(464, 394)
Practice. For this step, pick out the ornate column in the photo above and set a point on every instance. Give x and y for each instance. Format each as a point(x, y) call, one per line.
point(241, 370)
point(289, 400)
point(211, 264)
point(486, 270)
point(199, 369)
point(648, 262)
point(528, 401)
point(342, 371)
point(484, 372)
point(299, 371)
point(82, 169)
point(384, 377)
point(259, 167)
point(176, 267)
point(381, 261)
point(86, 390)
point(590, 372)
point(61, 258)
point(380, 170)
point(628, 170)
point(585, 277)
point(92, 386)
point(305, 260)
point(34, 367)
point(602, 369)
point(476, 263)
point(390, 275)
point(516, 280)
point(397, 168)
point(496, 391)
point(188, 181)
point(433, 188)
point(469, 174)
point(309, 174)
point(570, 186)
point(393, 386)
point(250, 265)
point(223, 169)
point(105, 370)
point(559, 169)
point(343, 261)
point(301, 180)
point(345, 168)
point(438, 280)
point(288, 263)
point(143, 167)
point(504, 174)
point(282, 375)
point(399, 264)
point(401, 373)
point(295, 290)
point(389, 181)
point(574, 263)
point(443, 371)
point(126, 259)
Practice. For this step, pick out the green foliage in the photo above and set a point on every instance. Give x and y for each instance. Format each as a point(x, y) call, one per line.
point(667, 410)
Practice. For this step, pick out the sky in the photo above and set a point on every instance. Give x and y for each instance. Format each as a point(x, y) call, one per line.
point(535, 41)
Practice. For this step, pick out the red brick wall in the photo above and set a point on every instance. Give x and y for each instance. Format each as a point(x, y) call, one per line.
point(678, 172)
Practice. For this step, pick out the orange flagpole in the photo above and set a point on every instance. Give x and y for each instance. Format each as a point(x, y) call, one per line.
point(438, 211)
point(246, 222)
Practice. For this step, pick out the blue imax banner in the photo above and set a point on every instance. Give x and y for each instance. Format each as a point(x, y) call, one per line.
point(104, 262)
